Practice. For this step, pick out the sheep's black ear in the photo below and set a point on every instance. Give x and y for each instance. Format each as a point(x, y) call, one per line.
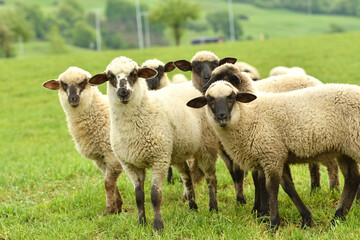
point(99, 79)
point(146, 73)
point(198, 102)
point(183, 65)
point(52, 84)
point(227, 60)
point(169, 67)
point(245, 97)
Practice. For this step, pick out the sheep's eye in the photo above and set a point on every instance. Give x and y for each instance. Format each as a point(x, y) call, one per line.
point(82, 85)
point(64, 85)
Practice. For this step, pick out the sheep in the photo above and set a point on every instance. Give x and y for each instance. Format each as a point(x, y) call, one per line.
point(285, 83)
point(301, 126)
point(82, 104)
point(252, 71)
point(201, 66)
point(281, 70)
point(179, 78)
point(155, 130)
point(160, 80)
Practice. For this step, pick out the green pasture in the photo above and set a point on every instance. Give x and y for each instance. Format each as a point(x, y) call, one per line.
point(48, 191)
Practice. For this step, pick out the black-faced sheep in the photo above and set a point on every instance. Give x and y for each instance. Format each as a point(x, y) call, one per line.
point(155, 129)
point(278, 129)
point(82, 104)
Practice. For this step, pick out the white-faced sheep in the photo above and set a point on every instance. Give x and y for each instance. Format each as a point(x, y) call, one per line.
point(251, 70)
point(281, 70)
point(278, 129)
point(155, 129)
point(83, 104)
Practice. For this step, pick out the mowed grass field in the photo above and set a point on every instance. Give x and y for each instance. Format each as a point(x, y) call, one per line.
point(48, 191)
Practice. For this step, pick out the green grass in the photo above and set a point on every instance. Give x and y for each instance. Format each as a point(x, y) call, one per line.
point(48, 191)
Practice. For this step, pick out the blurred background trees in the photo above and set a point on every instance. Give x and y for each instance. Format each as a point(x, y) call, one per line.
point(63, 25)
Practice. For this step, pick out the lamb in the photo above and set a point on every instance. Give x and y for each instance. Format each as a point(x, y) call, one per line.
point(278, 129)
point(201, 66)
point(281, 70)
point(82, 104)
point(160, 80)
point(155, 130)
point(285, 83)
point(252, 71)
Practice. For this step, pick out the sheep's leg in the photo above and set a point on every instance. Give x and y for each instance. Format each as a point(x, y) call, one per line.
point(208, 168)
point(288, 186)
point(315, 176)
point(333, 172)
point(237, 176)
point(255, 177)
point(158, 177)
point(272, 187)
point(137, 177)
point(264, 196)
point(113, 198)
point(351, 174)
point(184, 171)
point(170, 178)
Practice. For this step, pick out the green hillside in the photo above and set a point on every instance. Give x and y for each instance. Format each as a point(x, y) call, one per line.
point(271, 23)
point(48, 191)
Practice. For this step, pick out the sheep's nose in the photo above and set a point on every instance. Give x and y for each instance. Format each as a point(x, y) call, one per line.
point(207, 77)
point(221, 116)
point(73, 98)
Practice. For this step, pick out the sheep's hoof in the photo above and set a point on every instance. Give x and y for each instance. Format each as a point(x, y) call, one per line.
point(263, 213)
point(306, 223)
point(241, 200)
point(142, 221)
point(110, 211)
point(213, 209)
point(158, 225)
point(193, 205)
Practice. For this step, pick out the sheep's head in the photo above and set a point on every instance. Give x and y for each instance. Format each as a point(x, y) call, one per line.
point(160, 80)
point(72, 85)
point(252, 71)
point(122, 74)
point(220, 98)
point(201, 65)
point(232, 74)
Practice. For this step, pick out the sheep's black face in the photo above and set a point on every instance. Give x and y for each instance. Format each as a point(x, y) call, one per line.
point(73, 91)
point(221, 108)
point(154, 83)
point(203, 69)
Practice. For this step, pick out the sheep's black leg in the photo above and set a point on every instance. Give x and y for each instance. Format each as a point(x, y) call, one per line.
point(264, 196)
point(272, 187)
point(315, 176)
point(288, 186)
point(351, 174)
point(255, 177)
point(184, 171)
point(237, 176)
point(333, 172)
point(170, 178)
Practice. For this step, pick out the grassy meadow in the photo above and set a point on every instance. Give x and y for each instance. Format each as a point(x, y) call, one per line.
point(48, 191)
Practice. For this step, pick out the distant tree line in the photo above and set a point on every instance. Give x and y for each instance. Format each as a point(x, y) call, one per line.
point(341, 7)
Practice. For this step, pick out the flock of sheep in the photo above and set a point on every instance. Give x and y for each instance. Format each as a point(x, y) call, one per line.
point(262, 126)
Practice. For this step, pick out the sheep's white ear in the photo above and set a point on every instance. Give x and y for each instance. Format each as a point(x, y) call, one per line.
point(227, 60)
point(198, 102)
point(183, 65)
point(98, 79)
point(146, 73)
point(52, 84)
point(245, 97)
point(169, 67)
